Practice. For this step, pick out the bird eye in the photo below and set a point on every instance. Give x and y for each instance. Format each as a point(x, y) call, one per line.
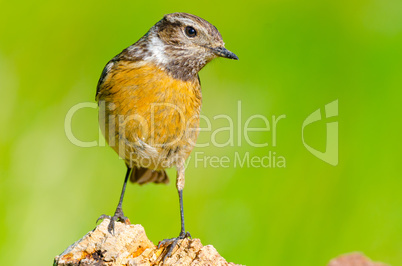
point(190, 32)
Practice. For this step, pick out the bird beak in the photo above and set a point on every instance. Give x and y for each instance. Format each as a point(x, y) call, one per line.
point(223, 52)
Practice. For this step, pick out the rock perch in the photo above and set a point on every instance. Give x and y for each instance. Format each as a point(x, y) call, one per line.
point(130, 246)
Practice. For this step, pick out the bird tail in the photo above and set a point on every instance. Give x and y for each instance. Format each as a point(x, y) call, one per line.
point(142, 176)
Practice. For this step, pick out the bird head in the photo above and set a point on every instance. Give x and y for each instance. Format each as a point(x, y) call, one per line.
point(182, 44)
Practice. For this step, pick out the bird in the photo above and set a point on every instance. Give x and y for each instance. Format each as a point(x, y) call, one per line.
point(149, 99)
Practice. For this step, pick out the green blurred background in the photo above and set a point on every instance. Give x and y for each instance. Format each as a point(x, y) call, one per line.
point(295, 57)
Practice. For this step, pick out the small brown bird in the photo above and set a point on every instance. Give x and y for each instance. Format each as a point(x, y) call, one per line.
point(150, 98)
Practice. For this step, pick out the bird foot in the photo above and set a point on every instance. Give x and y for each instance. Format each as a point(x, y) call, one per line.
point(117, 217)
point(172, 242)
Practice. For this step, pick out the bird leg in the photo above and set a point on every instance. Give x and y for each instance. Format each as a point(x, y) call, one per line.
point(172, 242)
point(118, 214)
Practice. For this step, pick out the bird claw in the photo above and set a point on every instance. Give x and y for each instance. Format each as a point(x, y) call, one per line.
point(102, 217)
point(172, 243)
point(118, 216)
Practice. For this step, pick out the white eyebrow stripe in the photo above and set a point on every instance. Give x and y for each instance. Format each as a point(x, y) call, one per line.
point(186, 21)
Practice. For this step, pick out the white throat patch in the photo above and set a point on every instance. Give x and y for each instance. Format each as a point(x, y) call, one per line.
point(157, 51)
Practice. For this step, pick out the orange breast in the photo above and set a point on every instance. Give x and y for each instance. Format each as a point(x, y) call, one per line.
point(147, 114)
